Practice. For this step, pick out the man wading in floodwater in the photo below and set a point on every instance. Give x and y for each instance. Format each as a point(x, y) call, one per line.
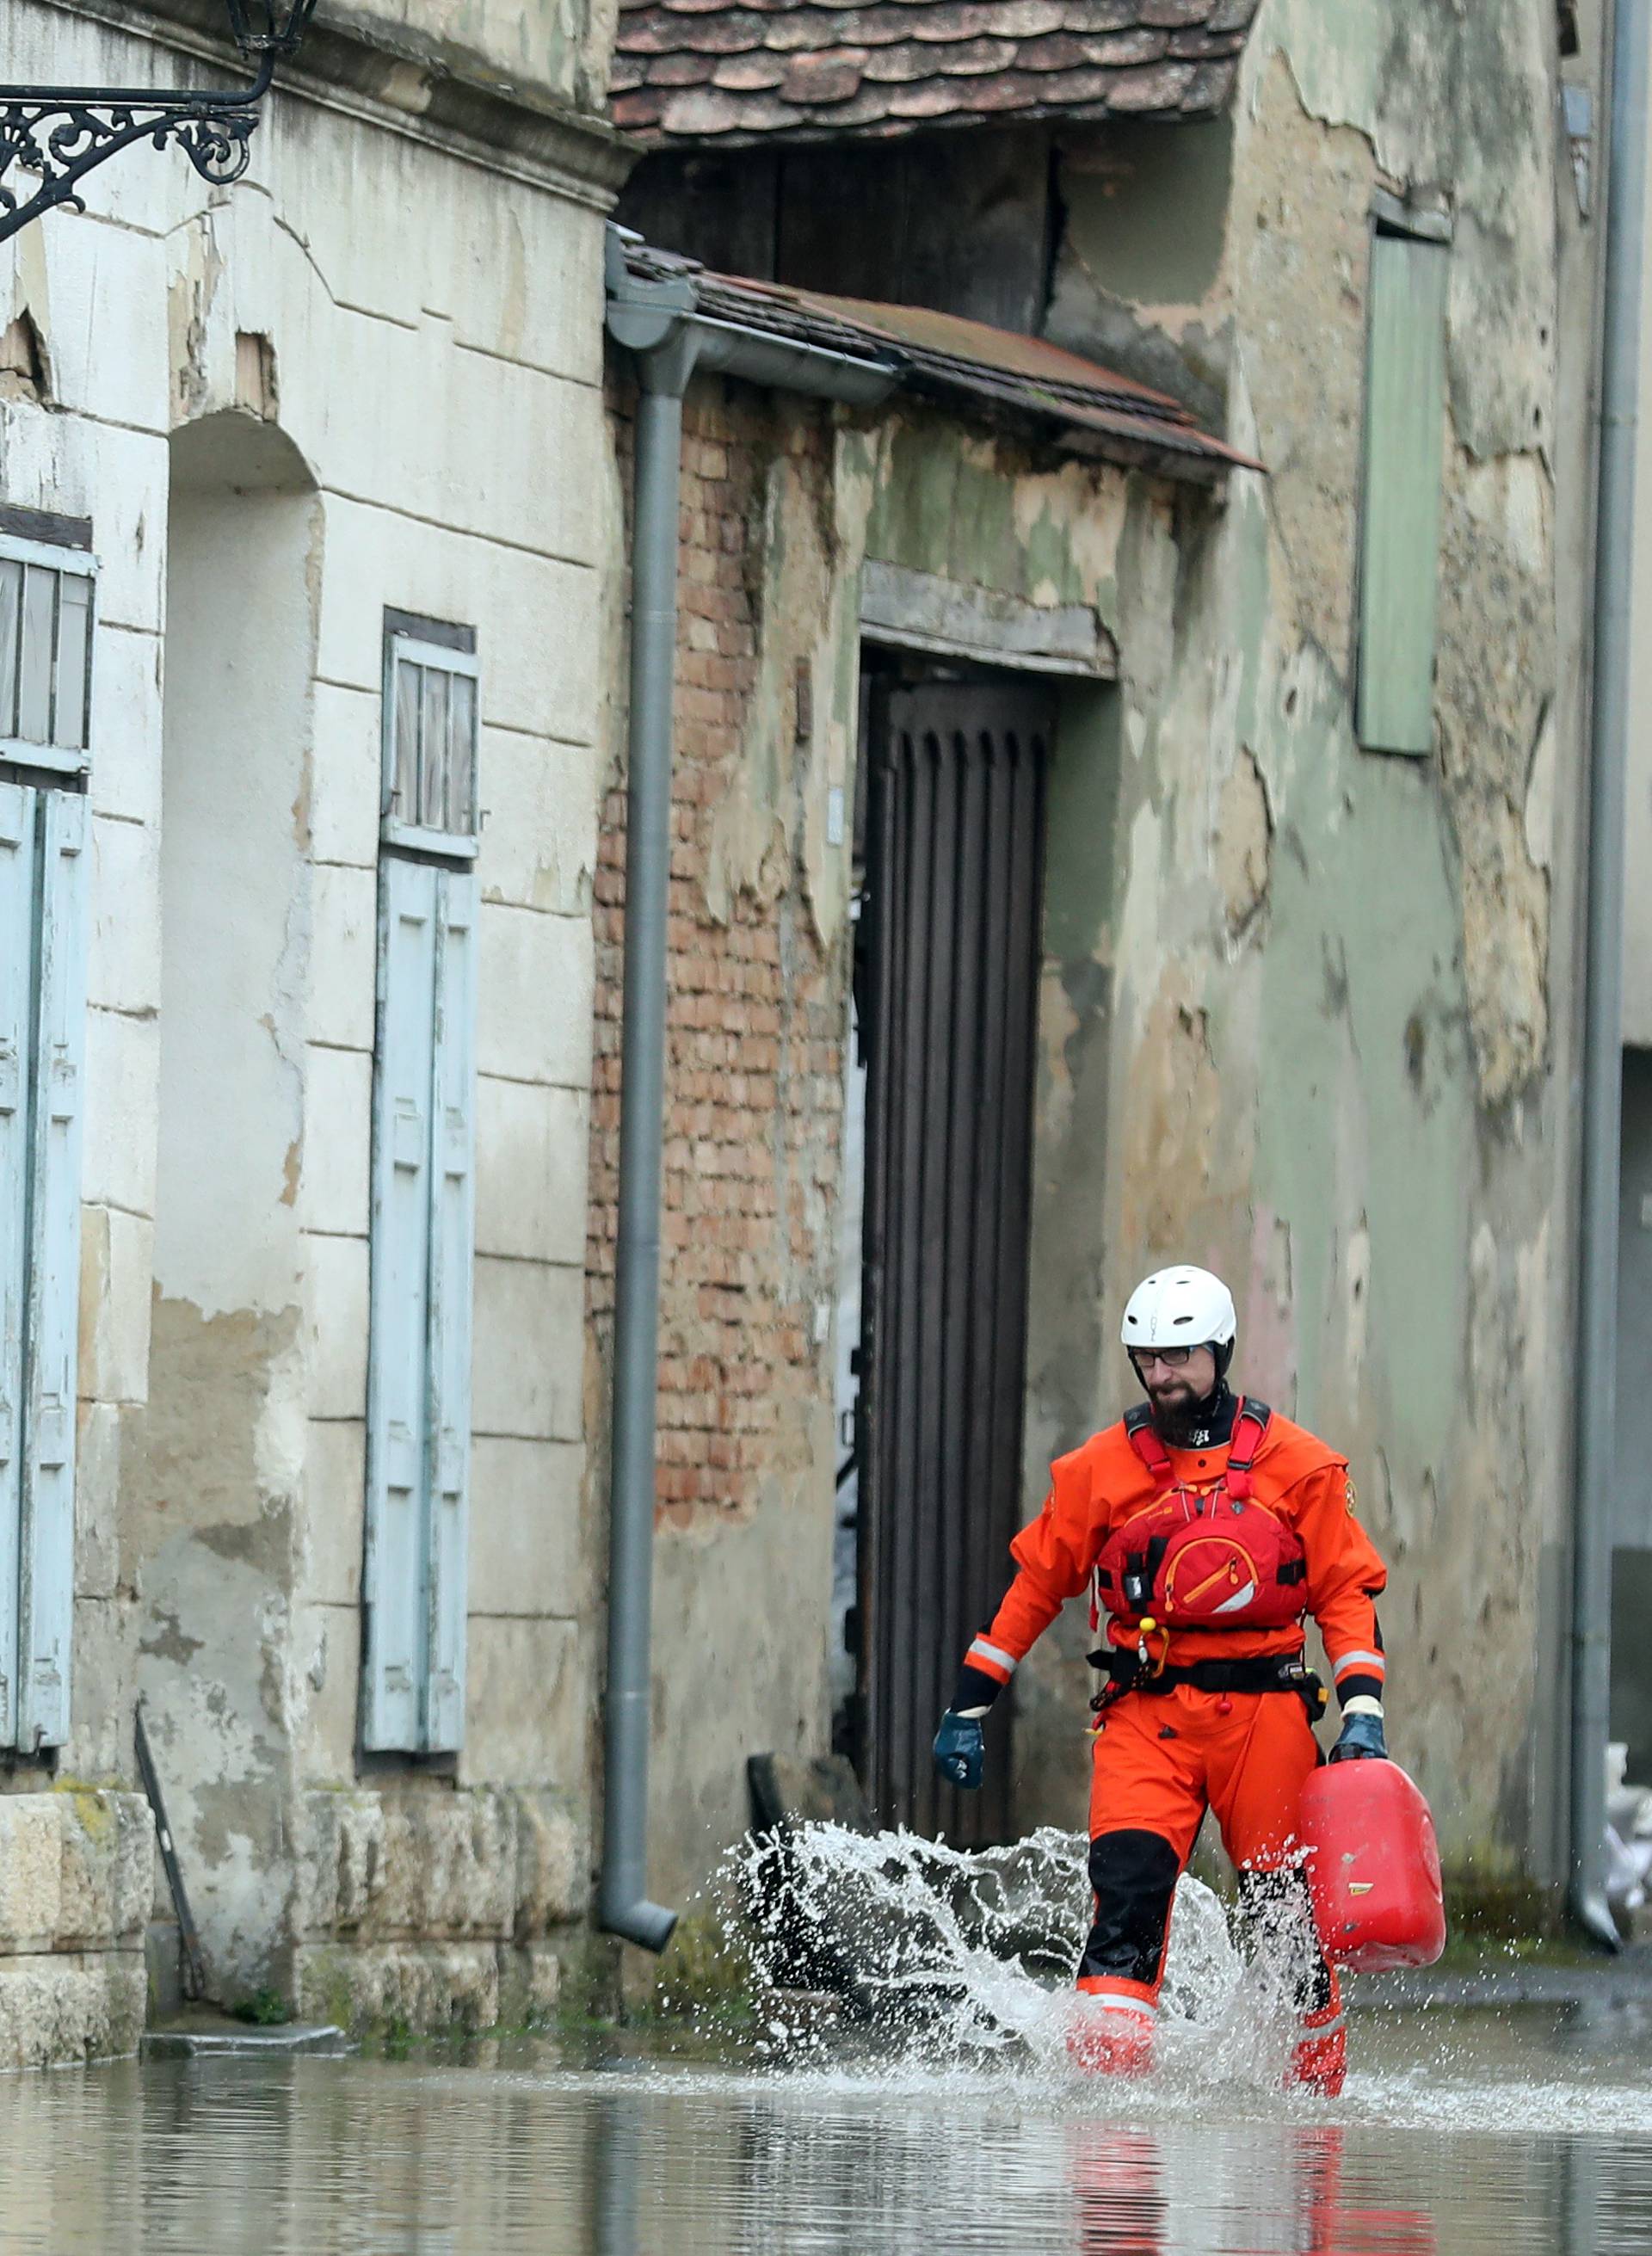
point(1206, 1526)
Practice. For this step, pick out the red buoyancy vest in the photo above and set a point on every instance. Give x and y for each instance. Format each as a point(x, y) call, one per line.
point(1211, 1559)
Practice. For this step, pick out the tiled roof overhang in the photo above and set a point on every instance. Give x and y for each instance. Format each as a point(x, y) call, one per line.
point(1021, 383)
point(688, 73)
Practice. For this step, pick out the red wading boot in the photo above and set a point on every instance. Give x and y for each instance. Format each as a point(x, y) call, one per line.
point(1111, 2030)
point(1320, 2060)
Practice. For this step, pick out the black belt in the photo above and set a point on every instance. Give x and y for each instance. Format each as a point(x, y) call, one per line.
point(1269, 1672)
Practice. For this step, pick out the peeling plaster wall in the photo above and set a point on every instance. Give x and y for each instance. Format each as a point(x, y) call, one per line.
point(1307, 1012)
point(1337, 986)
point(227, 1373)
point(328, 412)
point(550, 52)
point(757, 1015)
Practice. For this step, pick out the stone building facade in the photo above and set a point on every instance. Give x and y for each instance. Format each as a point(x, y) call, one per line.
point(327, 442)
point(1306, 1007)
point(343, 459)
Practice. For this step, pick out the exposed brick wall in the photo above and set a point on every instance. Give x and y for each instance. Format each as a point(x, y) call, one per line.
point(755, 1020)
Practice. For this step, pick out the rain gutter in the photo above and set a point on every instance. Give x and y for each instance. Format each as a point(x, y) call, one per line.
point(1603, 1011)
point(658, 322)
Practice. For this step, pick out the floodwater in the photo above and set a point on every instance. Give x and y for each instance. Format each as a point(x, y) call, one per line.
point(1524, 2131)
point(939, 2118)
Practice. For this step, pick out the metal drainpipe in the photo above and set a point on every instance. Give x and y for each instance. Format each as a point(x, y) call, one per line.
point(1603, 1016)
point(657, 322)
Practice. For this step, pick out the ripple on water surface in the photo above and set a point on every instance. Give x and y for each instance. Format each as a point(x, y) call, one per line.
point(1462, 2133)
point(958, 2129)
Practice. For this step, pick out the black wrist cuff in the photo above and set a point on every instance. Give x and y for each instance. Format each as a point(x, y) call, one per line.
point(1349, 1687)
point(974, 1689)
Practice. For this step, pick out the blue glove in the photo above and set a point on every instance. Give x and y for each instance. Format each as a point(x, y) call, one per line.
point(1361, 1739)
point(959, 1749)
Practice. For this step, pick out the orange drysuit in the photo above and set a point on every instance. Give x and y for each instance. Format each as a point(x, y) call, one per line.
point(1163, 1756)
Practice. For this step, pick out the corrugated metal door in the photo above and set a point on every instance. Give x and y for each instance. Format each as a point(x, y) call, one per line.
point(954, 882)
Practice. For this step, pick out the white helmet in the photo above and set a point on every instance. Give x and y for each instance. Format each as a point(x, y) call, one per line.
point(1180, 1307)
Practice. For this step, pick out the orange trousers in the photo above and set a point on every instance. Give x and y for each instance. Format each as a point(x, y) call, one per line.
point(1162, 1759)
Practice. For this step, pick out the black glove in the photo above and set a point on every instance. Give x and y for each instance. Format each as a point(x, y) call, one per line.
point(1361, 1739)
point(960, 1749)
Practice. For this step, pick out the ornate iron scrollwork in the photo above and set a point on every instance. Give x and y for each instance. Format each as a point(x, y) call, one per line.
point(62, 134)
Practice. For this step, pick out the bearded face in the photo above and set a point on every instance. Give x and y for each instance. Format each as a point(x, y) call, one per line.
point(1178, 1394)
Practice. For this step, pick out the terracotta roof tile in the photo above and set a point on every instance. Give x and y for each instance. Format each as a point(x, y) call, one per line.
point(916, 58)
point(681, 70)
point(689, 71)
point(830, 77)
point(1209, 88)
point(748, 73)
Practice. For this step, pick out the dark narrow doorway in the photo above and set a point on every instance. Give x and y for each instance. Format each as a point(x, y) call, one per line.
point(947, 997)
point(1632, 1518)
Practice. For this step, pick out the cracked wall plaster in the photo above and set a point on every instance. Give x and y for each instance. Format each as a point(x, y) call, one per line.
point(1295, 1014)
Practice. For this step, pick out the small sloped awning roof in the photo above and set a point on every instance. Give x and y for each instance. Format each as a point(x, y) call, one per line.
point(688, 73)
point(1038, 388)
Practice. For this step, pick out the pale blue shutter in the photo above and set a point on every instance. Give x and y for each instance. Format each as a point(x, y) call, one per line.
point(1404, 467)
point(45, 1601)
point(452, 1233)
point(16, 1048)
point(394, 1567)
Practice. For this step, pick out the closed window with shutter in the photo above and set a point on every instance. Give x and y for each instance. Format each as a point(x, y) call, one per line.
point(1403, 474)
point(45, 655)
point(430, 738)
point(46, 610)
point(423, 1199)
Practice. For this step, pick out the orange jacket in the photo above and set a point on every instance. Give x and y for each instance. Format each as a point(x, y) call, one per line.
point(1096, 1487)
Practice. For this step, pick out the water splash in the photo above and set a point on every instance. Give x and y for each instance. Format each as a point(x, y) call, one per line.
point(953, 1958)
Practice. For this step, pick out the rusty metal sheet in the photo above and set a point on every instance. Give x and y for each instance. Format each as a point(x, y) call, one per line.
point(1075, 402)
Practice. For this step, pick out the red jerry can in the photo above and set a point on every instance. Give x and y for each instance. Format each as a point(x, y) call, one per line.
point(1373, 1867)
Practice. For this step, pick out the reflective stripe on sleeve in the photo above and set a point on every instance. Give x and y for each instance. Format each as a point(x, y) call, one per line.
point(1373, 1662)
point(992, 1657)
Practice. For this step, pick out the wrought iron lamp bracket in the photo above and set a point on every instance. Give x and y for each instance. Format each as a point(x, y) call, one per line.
point(62, 133)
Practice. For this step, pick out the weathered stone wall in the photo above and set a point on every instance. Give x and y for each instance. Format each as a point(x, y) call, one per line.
point(76, 1875)
point(428, 1909)
point(1306, 1010)
point(1329, 992)
point(333, 411)
point(451, 62)
point(756, 1021)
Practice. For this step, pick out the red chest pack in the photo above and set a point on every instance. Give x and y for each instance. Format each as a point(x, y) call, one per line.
point(1217, 1559)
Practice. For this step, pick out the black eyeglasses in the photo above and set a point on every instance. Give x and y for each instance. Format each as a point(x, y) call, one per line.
point(1173, 1358)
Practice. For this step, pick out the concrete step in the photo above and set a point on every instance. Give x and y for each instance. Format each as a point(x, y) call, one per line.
point(220, 2038)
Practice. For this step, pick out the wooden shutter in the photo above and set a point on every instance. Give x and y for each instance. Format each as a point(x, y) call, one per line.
point(430, 725)
point(46, 1600)
point(45, 653)
point(17, 1051)
point(418, 1382)
point(394, 1576)
point(1404, 461)
point(452, 1232)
